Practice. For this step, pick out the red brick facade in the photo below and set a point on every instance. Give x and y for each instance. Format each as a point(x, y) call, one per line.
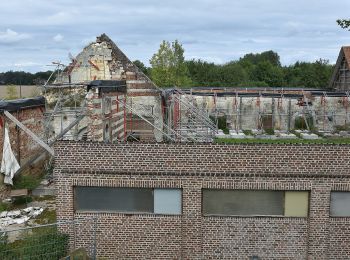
point(192, 167)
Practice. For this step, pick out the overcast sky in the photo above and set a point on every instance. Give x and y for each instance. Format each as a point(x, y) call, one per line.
point(33, 33)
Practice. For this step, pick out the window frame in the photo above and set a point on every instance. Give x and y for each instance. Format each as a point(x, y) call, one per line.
point(256, 215)
point(330, 204)
point(127, 212)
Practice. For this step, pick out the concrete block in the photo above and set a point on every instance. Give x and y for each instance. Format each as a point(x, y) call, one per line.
point(222, 135)
point(257, 131)
point(287, 136)
point(309, 136)
point(232, 132)
point(266, 137)
point(234, 135)
point(343, 133)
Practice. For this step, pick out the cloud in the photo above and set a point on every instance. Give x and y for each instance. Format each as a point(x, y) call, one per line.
point(10, 36)
point(58, 37)
point(217, 31)
point(26, 64)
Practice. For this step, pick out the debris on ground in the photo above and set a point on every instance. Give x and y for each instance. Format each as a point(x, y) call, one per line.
point(19, 216)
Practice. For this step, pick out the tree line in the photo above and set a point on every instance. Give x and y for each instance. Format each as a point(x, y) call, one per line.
point(169, 68)
point(23, 78)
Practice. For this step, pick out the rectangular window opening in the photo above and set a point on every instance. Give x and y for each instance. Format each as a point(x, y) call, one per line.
point(128, 200)
point(340, 204)
point(255, 203)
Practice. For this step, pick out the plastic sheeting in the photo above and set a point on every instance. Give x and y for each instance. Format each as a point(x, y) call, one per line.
point(9, 164)
point(17, 104)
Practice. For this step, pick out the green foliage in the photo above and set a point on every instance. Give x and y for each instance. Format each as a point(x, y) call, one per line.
point(42, 243)
point(260, 70)
point(24, 78)
point(248, 132)
point(22, 200)
point(26, 182)
point(4, 206)
point(283, 141)
point(11, 92)
point(344, 23)
point(170, 69)
point(267, 56)
point(168, 66)
point(142, 67)
point(309, 75)
point(301, 124)
point(44, 198)
point(269, 131)
point(222, 124)
point(47, 217)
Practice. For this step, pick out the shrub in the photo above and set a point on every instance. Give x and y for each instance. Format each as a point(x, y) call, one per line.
point(26, 182)
point(42, 243)
point(300, 123)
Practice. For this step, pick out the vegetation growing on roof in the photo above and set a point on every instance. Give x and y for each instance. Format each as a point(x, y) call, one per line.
point(282, 141)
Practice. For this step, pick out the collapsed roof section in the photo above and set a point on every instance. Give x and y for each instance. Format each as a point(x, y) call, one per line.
point(18, 104)
point(103, 60)
point(106, 86)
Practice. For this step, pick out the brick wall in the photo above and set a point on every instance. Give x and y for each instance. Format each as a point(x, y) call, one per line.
point(192, 167)
point(22, 144)
point(106, 126)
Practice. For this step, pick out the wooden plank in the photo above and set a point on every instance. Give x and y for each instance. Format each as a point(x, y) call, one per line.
point(19, 192)
point(28, 132)
point(71, 125)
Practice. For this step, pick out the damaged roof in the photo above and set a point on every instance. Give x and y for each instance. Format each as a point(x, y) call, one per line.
point(343, 53)
point(108, 85)
point(18, 104)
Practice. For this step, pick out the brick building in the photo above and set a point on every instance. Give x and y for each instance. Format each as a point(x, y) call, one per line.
point(207, 201)
point(30, 112)
point(340, 78)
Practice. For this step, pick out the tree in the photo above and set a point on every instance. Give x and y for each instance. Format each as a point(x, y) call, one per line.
point(266, 72)
point(269, 56)
point(343, 23)
point(168, 66)
point(142, 67)
point(11, 92)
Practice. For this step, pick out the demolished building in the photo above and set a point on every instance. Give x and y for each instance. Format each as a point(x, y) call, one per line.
point(30, 113)
point(149, 113)
point(340, 80)
point(172, 198)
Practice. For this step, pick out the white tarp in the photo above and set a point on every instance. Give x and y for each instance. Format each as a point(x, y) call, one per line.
point(9, 164)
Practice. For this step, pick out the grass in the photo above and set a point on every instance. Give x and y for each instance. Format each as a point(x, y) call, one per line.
point(43, 198)
point(22, 200)
point(4, 206)
point(282, 141)
point(41, 243)
point(29, 182)
point(47, 217)
point(248, 132)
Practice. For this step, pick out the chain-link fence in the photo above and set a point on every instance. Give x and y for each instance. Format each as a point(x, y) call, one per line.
point(51, 241)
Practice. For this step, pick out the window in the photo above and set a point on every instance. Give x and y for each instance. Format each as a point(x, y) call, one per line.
point(340, 204)
point(255, 203)
point(134, 200)
point(107, 105)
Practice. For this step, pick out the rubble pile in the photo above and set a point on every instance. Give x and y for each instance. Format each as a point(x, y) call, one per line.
point(19, 216)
